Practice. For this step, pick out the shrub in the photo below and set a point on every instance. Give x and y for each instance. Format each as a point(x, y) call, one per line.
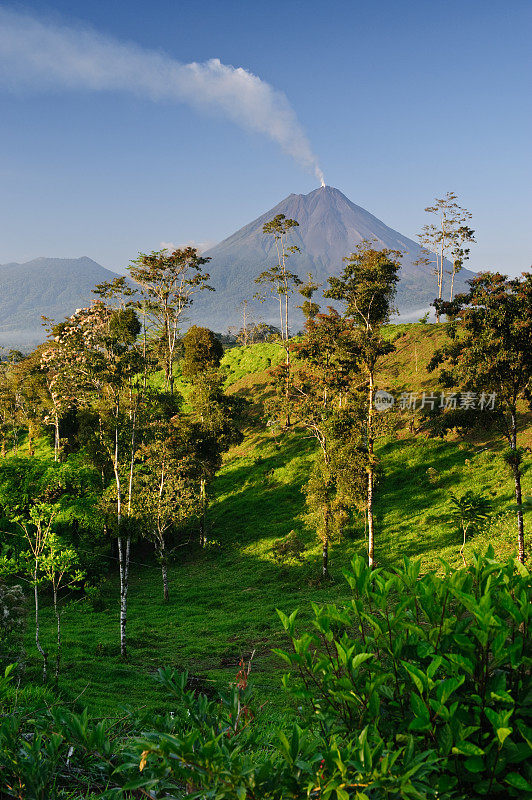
point(440, 665)
point(420, 687)
point(289, 550)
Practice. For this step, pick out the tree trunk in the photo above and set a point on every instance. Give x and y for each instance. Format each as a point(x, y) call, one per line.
point(464, 531)
point(31, 451)
point(145, 364)
point(132, 461)
point(40, 648)
point(371, 539)
point(516, 469)
point(56, 437)
point(159, 542)
point(203, 517)
point(164, 570)
point(520, 523)
point(371, 533)
point(58, 653)
point(287, 388)
point(123, 559)
point(452, 280)
point(123, 553)
point(325, 547)
point(286, 310)
point(440, 269)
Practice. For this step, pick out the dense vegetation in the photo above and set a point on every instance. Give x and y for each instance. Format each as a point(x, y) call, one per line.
point(162, 498)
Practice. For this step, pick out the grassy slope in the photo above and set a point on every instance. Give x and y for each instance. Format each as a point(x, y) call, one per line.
point(223, 600)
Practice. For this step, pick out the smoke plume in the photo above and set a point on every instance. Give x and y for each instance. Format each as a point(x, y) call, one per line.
point(40, 55)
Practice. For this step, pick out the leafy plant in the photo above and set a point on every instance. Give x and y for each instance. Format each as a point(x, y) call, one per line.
point(440, 666)
point(469, 512)
point(418, 688)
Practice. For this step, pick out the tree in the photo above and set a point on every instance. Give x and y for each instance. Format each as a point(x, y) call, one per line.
point(37, 530)
point(10, 401)
point(367, 289)
point(202, 351)
point(216, 427)
point(167, 493)
point(169, 283)
point(60, 387)
point(278, 280)
point(321, 401)
point(446, 239)
point(249, 331)
point(31, 396)
point(309, 308)
point(489, 354)
point(60, 567)
point(470, 512)
point(41, 501)
point(97, 346)
point(47, 560)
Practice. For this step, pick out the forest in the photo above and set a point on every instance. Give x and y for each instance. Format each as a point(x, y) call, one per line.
point(275, 564)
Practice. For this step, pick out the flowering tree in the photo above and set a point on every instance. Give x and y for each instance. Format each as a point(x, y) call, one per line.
point(96, 351)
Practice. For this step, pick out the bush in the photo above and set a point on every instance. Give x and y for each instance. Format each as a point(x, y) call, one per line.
point(421, 687)
point(95, 596)
point(289, 550)
point(439, 665)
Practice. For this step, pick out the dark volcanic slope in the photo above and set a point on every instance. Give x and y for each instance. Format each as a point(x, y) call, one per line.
point(51, 287)
point(330, 226)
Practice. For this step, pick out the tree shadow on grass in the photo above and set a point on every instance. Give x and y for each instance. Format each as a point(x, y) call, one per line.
point(412, 499)
point(253, 503)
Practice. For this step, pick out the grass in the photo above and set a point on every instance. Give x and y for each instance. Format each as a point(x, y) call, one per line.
point(223, 599)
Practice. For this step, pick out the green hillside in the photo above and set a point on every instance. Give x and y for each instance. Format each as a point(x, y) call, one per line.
point(223, 598)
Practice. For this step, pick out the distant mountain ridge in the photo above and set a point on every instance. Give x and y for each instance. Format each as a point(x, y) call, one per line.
point(330, 227)
point(50, 287)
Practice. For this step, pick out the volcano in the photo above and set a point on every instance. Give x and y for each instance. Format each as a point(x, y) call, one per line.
point(330, 227)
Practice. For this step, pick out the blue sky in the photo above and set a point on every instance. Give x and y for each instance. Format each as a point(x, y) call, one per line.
point(401, 102)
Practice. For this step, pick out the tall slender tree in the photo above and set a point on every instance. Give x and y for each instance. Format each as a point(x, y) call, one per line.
point(325, 402)
point(167, 493)
point(216, 416)
point(447, 238)
point(99, 346)
point(280, 282)
point(60, 568)
point(168, 284)
point(366, 288)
